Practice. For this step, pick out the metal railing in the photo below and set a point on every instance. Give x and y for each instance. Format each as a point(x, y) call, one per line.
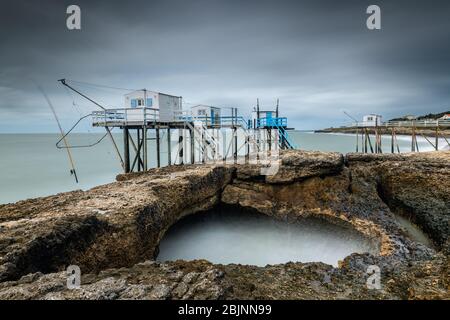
point(215, 121)
point(272, 122)
point(125, 115)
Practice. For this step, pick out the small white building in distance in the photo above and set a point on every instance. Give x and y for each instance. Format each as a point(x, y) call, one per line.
point(163, 107)
point(371, 120)
point(445, 117)
point(410, 117)
point(209, 114)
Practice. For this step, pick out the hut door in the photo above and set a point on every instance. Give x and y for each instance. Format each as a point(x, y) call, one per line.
point(213, 115)
point(269, 118)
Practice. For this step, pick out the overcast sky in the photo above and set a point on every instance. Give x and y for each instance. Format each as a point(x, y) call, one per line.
point(317, 57)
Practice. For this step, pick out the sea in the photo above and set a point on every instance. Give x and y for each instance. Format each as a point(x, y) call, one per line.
point(32, 166)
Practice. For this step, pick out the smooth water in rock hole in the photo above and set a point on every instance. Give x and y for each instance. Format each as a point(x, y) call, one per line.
point(413, 231)
point(227, 236)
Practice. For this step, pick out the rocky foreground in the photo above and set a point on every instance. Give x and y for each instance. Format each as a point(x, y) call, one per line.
point(112, 231)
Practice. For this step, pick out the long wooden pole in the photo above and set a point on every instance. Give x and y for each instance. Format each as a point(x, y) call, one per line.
point(66, 144)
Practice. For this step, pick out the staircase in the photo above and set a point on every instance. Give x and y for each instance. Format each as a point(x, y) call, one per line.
point(285, 141)
point(204, 139)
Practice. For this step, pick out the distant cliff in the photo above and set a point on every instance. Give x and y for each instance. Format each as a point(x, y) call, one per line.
point(433, 116)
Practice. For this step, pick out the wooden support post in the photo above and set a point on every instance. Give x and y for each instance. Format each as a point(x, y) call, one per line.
point(138, 154)
point(158, 149)
point(380, 146)
point(396, 141)
point(126, 150)
point(224, 144)
point(184, 145)
point(357, 140)
point(180, 143)
point(212, 144)
point(192, 133)
point(145, 148)
point(363, 145)
point(134, 146)
point(436, 144)
point(413, 138)
point(235, 144)
point(169, 148)
point(392, 140)
point(365, 140)
point(203, 147)
point(368, 140)
point(376, 140)
point(247, 149)
point(137, 157)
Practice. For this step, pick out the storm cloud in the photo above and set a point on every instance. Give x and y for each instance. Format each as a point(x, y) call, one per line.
point(317, 57)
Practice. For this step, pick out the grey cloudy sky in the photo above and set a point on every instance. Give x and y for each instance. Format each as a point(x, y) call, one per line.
point(317, 57)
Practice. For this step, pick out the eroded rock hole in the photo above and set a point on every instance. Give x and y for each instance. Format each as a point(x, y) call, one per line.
point(233, 235)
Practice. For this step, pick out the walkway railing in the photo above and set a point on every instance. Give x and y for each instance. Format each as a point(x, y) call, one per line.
point(216, 121)
point(124, 115)
point(408, 124)
point(272, 122)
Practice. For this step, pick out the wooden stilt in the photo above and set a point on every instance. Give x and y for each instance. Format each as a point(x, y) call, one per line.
point(138, 155)
point(158, 149)
point(126, 149)
point(365, 140)
point(180, 143)
point(357, 140)
point(134, 147)
point(235, 145)
point(436, 144)
point(269, 138)
point(247, 149)
point(145, 148)
point(392, 140)
point(370, 142)
point(192, 133)
point(203, 147)
point(169, 148)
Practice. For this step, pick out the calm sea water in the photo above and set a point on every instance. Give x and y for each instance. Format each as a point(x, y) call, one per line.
point(238, 237)
point(32, 166)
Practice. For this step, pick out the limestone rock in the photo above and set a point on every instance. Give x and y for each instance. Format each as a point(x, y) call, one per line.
point(112, 232)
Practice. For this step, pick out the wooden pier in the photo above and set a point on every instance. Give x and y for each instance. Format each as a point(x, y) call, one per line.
point(198, 139)
point(416, 128)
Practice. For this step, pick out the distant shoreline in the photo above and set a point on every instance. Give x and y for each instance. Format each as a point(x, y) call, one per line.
point(387, 131)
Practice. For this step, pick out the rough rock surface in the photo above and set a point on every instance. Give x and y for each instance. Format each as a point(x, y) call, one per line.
point(112, 231)
point(114, 225)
